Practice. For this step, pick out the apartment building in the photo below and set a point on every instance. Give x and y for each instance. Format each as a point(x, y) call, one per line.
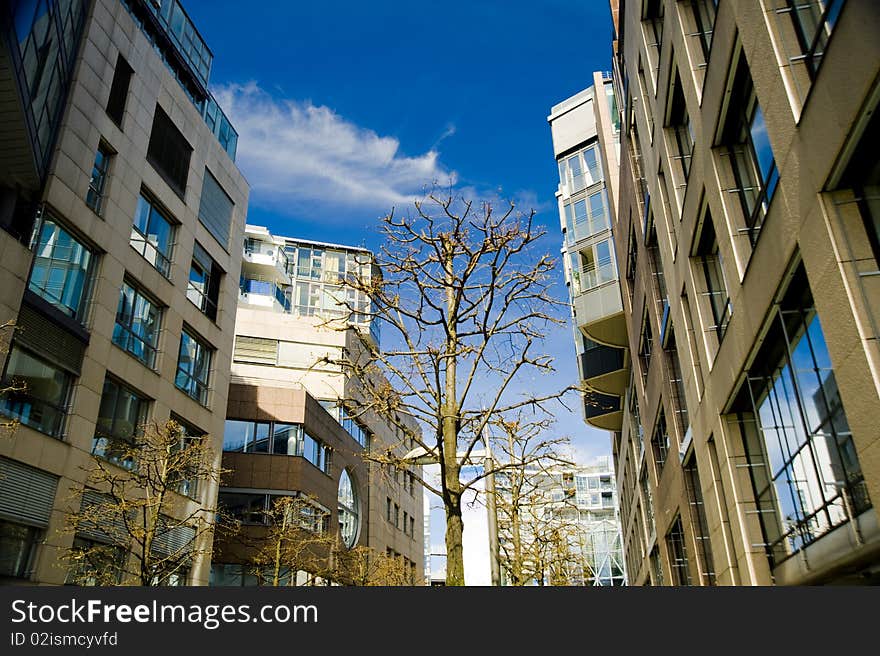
point(585, 132)
point(122, 211)
point(567, 517)
point(289, 430)
point(747, 227)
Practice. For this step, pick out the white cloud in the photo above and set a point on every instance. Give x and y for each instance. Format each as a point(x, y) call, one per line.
point(296, 155)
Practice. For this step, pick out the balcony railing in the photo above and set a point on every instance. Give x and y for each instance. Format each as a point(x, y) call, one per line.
point(592, 276)
point(264, 287)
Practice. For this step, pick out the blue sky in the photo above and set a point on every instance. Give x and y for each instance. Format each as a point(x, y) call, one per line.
point(348, 109)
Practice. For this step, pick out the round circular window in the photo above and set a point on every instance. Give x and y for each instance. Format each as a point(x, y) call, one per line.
point(349, 514)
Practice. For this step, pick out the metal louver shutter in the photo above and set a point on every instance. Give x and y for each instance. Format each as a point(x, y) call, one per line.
point(215, 209)
point(174, 540)
point(257, 350)
point(111, 529)
point(26, 493)
point(56, 344)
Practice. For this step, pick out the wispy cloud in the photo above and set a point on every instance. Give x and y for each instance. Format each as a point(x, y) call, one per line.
point(297, 155)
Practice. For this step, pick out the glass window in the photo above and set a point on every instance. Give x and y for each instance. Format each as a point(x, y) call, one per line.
point(203, 287)
point(138, 320)
point(699, 522)
point(95, 563)
point(62, 270)
point(248, 508)
point(678, 559)
point(813, 21)
point(263, 437)
point(38, 392)
point(803, 463)
point(152, 235)
point(121, 416)
point(193, 367)
point(95, 195)
point(18, 544)
point(660, 442)
point(679, 123)
point(713, 273)
point(119, 90)
point(748, 145)
point(349, 510)
point(169, 152)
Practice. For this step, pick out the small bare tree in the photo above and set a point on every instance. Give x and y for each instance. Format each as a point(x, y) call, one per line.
point(136, 519)
point(464, 303)
point(521, 504)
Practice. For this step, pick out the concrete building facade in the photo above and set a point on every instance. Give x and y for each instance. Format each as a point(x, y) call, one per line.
point(289, 430)
point(122, 211)
point(747, 227)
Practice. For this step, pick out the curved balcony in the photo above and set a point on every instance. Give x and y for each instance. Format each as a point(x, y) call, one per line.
point(599, 314)
point(605, 369)
point(265, 260)
point(603, 411)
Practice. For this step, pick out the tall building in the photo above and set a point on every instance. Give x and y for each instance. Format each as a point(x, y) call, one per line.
point(585, 131)
point(120, 203)
point(748, 232)
point(289, 428)
point(568, 525)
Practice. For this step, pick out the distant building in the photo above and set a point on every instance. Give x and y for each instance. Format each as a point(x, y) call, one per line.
point(289, 428)
point(568, 525)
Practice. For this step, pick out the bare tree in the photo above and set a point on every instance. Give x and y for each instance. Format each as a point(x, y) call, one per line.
point(524, 511)
point(464, 303)
point(136, 518)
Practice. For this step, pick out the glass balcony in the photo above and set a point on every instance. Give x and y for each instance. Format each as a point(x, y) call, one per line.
point(265, 292)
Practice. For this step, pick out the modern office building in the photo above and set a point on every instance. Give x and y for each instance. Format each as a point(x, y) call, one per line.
point(568, 525)
point(120, 204)
point(585, 132)
point(289, 430)
point(748, 232)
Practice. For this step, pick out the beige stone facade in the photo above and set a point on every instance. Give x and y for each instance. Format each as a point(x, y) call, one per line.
point(747, 230)
point(52, 457)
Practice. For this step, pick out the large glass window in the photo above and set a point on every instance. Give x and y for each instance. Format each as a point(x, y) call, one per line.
point(348, 509)
point(169, 152)
point(18, 544)
point(699, 522)
point(805, 470)
point(275, 437)
point(63, 269)
point(580, 170)
point(152, 235)
point(122, 415)
point(203, 287)
point(748, 146)
point(38, 392)
point(138, 320)
point(813, 22)
point(678, 559)
point(193, 367)
point(119, 90)
point(679, 123)
point(592, 266)
point(95, 563)
point(713, 273)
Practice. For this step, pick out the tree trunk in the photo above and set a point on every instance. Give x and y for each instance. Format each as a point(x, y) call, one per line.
point(454, 551)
